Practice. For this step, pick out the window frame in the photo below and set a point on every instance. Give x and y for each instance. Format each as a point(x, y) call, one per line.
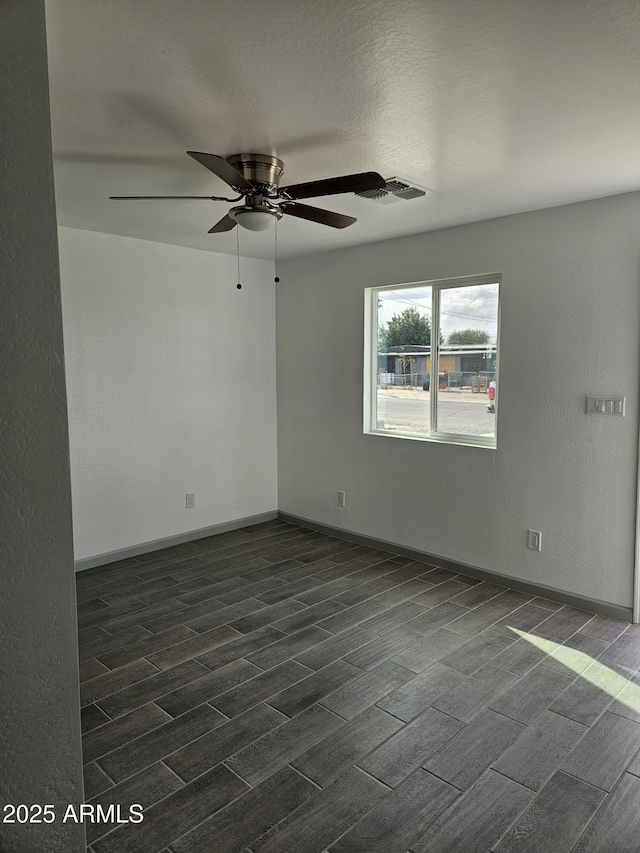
point(370, 385)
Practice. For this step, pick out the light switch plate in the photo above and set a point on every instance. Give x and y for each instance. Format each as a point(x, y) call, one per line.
point(608, 405)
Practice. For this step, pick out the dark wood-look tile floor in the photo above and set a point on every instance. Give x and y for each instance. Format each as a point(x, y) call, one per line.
point(275, 689)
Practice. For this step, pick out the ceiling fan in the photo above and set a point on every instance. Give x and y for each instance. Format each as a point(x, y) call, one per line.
point(256, 178)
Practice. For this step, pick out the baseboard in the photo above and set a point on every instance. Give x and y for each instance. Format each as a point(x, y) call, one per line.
point(613, 611)
point(177, 539)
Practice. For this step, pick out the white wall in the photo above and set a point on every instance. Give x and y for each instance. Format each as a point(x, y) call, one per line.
point(570, 327)
point(171, 388)
point(39, 699)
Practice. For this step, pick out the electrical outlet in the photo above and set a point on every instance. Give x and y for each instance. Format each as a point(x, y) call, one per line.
point(534, 540)
point(342, 499)
point(191, 500)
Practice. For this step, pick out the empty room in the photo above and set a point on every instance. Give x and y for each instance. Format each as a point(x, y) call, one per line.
point(319, 396)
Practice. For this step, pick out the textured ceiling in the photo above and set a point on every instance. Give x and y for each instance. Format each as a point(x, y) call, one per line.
point(498, 106)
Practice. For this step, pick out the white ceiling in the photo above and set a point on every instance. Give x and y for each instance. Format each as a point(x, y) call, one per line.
point(499, 106)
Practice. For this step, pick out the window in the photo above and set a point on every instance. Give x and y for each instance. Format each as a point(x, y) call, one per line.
point(431, 360)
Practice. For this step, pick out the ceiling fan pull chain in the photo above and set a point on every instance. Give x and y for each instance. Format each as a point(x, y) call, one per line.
point(238, 285)
point(275, 231)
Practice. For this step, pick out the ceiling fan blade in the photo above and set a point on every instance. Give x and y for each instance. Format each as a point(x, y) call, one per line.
point(138, 197)
point(317, 214)
point(225, 171)
point(331, 186)
point(227, 223)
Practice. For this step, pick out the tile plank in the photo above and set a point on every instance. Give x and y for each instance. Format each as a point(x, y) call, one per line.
point(393, 617)
point(95, 780)
point(268, 616)
point(616, 826)
point(540, 750)
point(121, 731)
point(378, 650)
point(235, 826)
point(364, 591)
point(156, 685)
point(589, 694)
point(436, 617)
point(145, 788)
point(334, 647)
point(521, 657)
point(477, 820)
point(479, 689)
point(604, 752)
point(604, 628)
point(572, 656)
point(480, 618)
point(114, 680)
point(288, 647)
point(91, 669)
point(314, 687)
point(195, 757)
point(623, 655)
point(191, 646)
point(464, 758)
point(91, 717)
point(207, 687)
point(478, 594)
point(440, 593)
point(525, 618)
point(411, 747)
point(324, 816)
point(98, 646)
point(352, 616)
point(400, 818)
point(281, 745)
point(346, 745)
point(418, 694)
point(155, 745)
point(564, 623)
point(239, 648)
point(210, 618)
point(146, 646)
point(476, 652)
point(250, 693)
point(357, 695)
point(555, 817)
point(179, 813)
point(531, 695)
point(308, 616)
point(427, 650)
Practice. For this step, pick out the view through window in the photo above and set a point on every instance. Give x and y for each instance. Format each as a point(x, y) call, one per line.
point(432, 360)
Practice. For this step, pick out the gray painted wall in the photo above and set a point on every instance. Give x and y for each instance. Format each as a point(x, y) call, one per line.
point(570, 327)
point(39, 704)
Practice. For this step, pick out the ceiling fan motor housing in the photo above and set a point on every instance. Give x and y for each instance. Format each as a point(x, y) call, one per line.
point(261, 170)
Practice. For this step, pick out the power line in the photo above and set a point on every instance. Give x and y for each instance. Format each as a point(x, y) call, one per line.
point(443, 311)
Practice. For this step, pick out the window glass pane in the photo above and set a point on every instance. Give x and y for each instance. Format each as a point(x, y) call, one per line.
point(467, 393)
point(404, 336)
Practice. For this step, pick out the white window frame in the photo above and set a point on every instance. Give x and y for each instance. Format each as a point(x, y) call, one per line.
point(371, 360)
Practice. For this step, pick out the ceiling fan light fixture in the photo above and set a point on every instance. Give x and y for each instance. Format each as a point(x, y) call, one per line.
point(254, 220)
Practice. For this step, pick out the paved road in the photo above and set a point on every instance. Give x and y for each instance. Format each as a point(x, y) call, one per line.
point(458, 411)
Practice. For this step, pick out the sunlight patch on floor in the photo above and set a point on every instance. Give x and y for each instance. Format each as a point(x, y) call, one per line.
point(589, 668)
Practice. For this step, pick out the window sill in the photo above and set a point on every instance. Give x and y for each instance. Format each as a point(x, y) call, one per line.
point(438, 438)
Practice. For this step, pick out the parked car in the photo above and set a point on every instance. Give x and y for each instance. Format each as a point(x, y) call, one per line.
point(491, 392)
